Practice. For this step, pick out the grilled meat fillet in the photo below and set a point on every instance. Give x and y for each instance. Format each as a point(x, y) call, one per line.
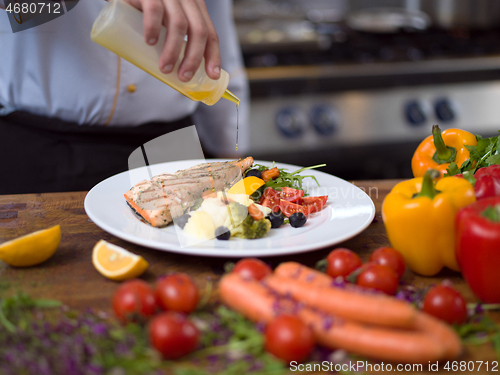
point(167, 196)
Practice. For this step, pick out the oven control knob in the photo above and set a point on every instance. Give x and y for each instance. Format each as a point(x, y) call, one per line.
point(414, 113)
point(324, 119)
point(444, 110)
point(291, 121)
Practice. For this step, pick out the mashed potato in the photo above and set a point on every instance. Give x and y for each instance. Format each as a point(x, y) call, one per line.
point(214, 213)
point(200, 225)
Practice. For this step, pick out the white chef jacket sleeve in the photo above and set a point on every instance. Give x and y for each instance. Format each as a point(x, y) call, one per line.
point(217, 124)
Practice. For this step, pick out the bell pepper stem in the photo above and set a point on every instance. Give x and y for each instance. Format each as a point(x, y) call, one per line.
point(443, 154)
point(428, 190)
point(492, 213)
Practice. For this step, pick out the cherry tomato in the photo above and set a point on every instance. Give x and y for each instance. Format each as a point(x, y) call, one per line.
point(290, 194)
point(289, 338)
point(314, 204)
point(379, 277)
point(341, 262)
point(177, 292)
point(289, 208)
point(270, 199)
point(252, 269)
point(388, 256)
point(446, 303)
point(134, 300)
point(173, 334)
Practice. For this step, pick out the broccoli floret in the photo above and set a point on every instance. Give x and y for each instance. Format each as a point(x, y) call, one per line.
point(251, 228)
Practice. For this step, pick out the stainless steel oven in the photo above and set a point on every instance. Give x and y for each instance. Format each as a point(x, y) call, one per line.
point(361, 100)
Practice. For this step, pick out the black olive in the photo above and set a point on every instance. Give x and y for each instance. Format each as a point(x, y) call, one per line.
point(297, 219)
point(182, 220)
point(276, 219)
point(222, 233)
point(254, 172)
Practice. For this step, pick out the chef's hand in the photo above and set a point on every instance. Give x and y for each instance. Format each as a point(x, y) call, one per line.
point(181, 18)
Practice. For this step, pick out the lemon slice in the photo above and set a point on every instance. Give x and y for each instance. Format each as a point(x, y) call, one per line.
point(116, 263)
point(246, 186)
point(31, 249)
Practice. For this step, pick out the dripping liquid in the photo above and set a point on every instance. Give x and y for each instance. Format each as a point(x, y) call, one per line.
point(232, 98)
point(237, 124)
point(228, 95)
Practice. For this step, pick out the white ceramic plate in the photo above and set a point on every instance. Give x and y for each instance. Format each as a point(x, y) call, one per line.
point(348, 212)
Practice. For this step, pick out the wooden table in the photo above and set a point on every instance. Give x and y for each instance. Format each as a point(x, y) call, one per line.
point(69, 275)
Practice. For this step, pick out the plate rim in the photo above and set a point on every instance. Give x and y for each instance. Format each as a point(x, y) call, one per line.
point(221, 252)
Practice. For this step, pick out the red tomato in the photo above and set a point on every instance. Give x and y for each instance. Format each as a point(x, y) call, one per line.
point(252, 269)
point(173, 334)
point(270, 199)
point(341, 262)
point(177, 292)
point(315, 204)
point(134, 300)
point(379, 277)
point(446, 303)
point(289, 194)
point(289, 338)
point(388, 256)
point(289, 208)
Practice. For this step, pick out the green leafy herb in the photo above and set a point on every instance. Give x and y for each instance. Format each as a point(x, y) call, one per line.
point(484, 154)
point(11, 307)
point(481, 329)
point(36, 337)
point(231, 345)
point(321, 265)
point(288, 179)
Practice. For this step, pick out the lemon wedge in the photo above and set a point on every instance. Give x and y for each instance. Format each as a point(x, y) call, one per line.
point(31, 249)
point(116, 263)
point(246, 185)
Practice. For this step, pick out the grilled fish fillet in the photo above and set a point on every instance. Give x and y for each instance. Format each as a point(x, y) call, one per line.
point(167, 196)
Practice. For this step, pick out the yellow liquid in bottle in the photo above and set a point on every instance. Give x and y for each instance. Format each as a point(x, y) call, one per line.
point(197, 95)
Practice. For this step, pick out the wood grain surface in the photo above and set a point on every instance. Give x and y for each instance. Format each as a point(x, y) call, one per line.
point(70, 276)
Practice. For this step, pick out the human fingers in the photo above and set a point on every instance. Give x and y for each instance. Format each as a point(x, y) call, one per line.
point(197, 39)
point(153, 13)
point(212, 50)
point(177, 27)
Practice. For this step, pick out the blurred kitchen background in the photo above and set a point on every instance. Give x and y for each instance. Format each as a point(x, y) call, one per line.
point(358, 84)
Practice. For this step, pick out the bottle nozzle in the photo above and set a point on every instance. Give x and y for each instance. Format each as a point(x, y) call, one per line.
point(231, 97)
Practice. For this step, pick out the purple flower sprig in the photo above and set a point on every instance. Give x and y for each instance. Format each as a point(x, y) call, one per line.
point(57, 341)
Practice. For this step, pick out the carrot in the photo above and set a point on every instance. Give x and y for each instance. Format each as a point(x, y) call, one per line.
point(449, 339)
point(353, 303)
point(254, 212)
point(270, 174)
point(300, 272)
point(258, 303)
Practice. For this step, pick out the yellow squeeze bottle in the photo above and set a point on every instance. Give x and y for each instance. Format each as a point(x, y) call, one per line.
point(119, 28)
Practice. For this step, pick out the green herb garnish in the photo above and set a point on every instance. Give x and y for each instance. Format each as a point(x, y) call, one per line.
point(484, 154)
point(480, 328)
point(288, 179)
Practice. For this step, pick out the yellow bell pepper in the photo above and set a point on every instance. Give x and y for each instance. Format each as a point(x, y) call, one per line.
point(438, 150)
point(419, 217)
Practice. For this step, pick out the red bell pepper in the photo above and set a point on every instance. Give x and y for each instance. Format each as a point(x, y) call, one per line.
point(478, 247)
point(487, 182)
